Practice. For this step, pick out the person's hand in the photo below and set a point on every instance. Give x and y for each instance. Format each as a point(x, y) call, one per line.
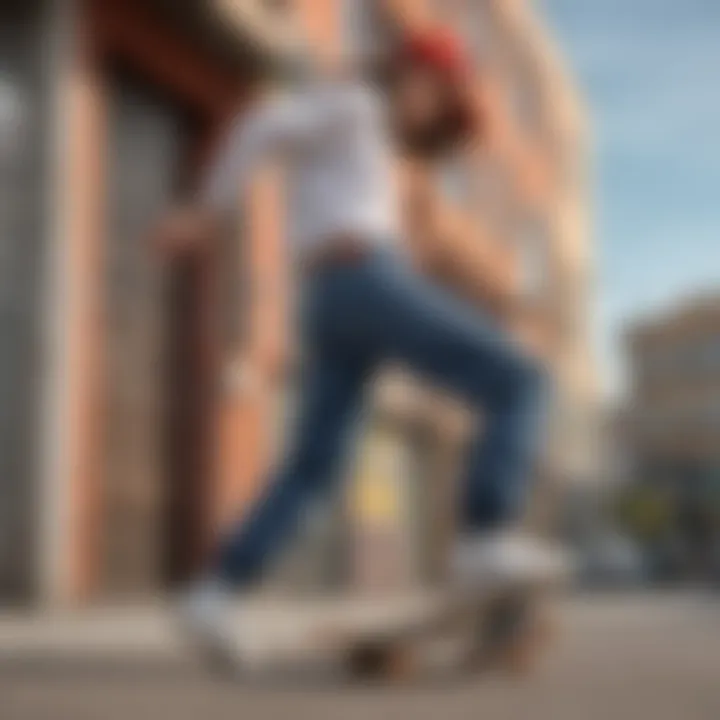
point(182, 230)
point(240, 378)
point(257, 370)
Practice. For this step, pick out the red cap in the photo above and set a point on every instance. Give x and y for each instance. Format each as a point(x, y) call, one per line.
point(438, 49)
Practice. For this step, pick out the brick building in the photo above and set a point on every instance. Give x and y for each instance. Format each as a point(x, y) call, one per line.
point(120, 451)
point(673, 418)
point(672, 431)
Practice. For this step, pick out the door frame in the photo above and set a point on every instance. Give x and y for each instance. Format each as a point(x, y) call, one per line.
point(126, 32)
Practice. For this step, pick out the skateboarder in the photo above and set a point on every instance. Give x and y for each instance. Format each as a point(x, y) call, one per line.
point(363, 303)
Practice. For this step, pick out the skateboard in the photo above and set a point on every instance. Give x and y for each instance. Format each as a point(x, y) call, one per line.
point(504, 628)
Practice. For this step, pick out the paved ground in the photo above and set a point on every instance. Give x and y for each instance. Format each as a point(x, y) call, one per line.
point(648, 657)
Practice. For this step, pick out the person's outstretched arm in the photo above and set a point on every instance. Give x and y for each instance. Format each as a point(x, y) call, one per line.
point(273, 127)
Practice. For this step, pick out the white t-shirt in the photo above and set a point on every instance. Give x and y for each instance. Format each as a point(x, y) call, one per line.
point(336, 145)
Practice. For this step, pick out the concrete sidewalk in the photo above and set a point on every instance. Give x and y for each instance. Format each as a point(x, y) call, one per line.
point(291, 627)
point(626, 657)
point(276, 626)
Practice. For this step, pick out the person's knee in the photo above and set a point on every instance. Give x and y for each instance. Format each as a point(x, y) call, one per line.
point(528, 380)
point(537, 376)
point(508, 376)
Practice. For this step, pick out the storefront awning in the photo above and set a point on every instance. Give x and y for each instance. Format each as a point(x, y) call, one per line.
point(242, 33)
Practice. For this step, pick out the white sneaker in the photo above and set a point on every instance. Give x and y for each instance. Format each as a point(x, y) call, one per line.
point(205, 616)
point(507, 559)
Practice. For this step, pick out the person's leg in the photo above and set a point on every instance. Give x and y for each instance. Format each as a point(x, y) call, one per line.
point(455, 345)
point(331, 394)
point(332, 381)
point(503, 454)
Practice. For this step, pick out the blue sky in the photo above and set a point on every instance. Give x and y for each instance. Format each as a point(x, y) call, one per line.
point(650, 70)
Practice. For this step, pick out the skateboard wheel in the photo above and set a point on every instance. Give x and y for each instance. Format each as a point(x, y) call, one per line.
point(523, 651)
point(381, 662)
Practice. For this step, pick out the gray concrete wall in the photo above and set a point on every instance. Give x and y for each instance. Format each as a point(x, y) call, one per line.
point(23, 107)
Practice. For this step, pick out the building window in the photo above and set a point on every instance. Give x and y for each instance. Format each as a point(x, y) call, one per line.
point(361, 31)
point(11, 120)
point(711, 354)
point(532, 245)
point(456, 181)
point(524, 100)
point(480, 33)
point(12, 158)
point(278, 8)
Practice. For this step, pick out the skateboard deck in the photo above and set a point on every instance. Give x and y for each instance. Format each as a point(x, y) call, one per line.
point(504, 628)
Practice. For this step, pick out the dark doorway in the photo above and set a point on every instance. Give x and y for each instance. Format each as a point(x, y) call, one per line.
point(151, 375)
point(23, 132)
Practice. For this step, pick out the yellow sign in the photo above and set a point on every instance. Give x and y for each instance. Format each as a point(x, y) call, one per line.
point(377, 487)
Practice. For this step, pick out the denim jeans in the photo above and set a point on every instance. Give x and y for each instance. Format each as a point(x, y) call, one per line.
point(354, 318)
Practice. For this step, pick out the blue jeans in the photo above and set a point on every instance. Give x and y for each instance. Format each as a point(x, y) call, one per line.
point(354, 318)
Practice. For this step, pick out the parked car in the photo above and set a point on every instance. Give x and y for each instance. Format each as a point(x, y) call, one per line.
point(612, 560)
